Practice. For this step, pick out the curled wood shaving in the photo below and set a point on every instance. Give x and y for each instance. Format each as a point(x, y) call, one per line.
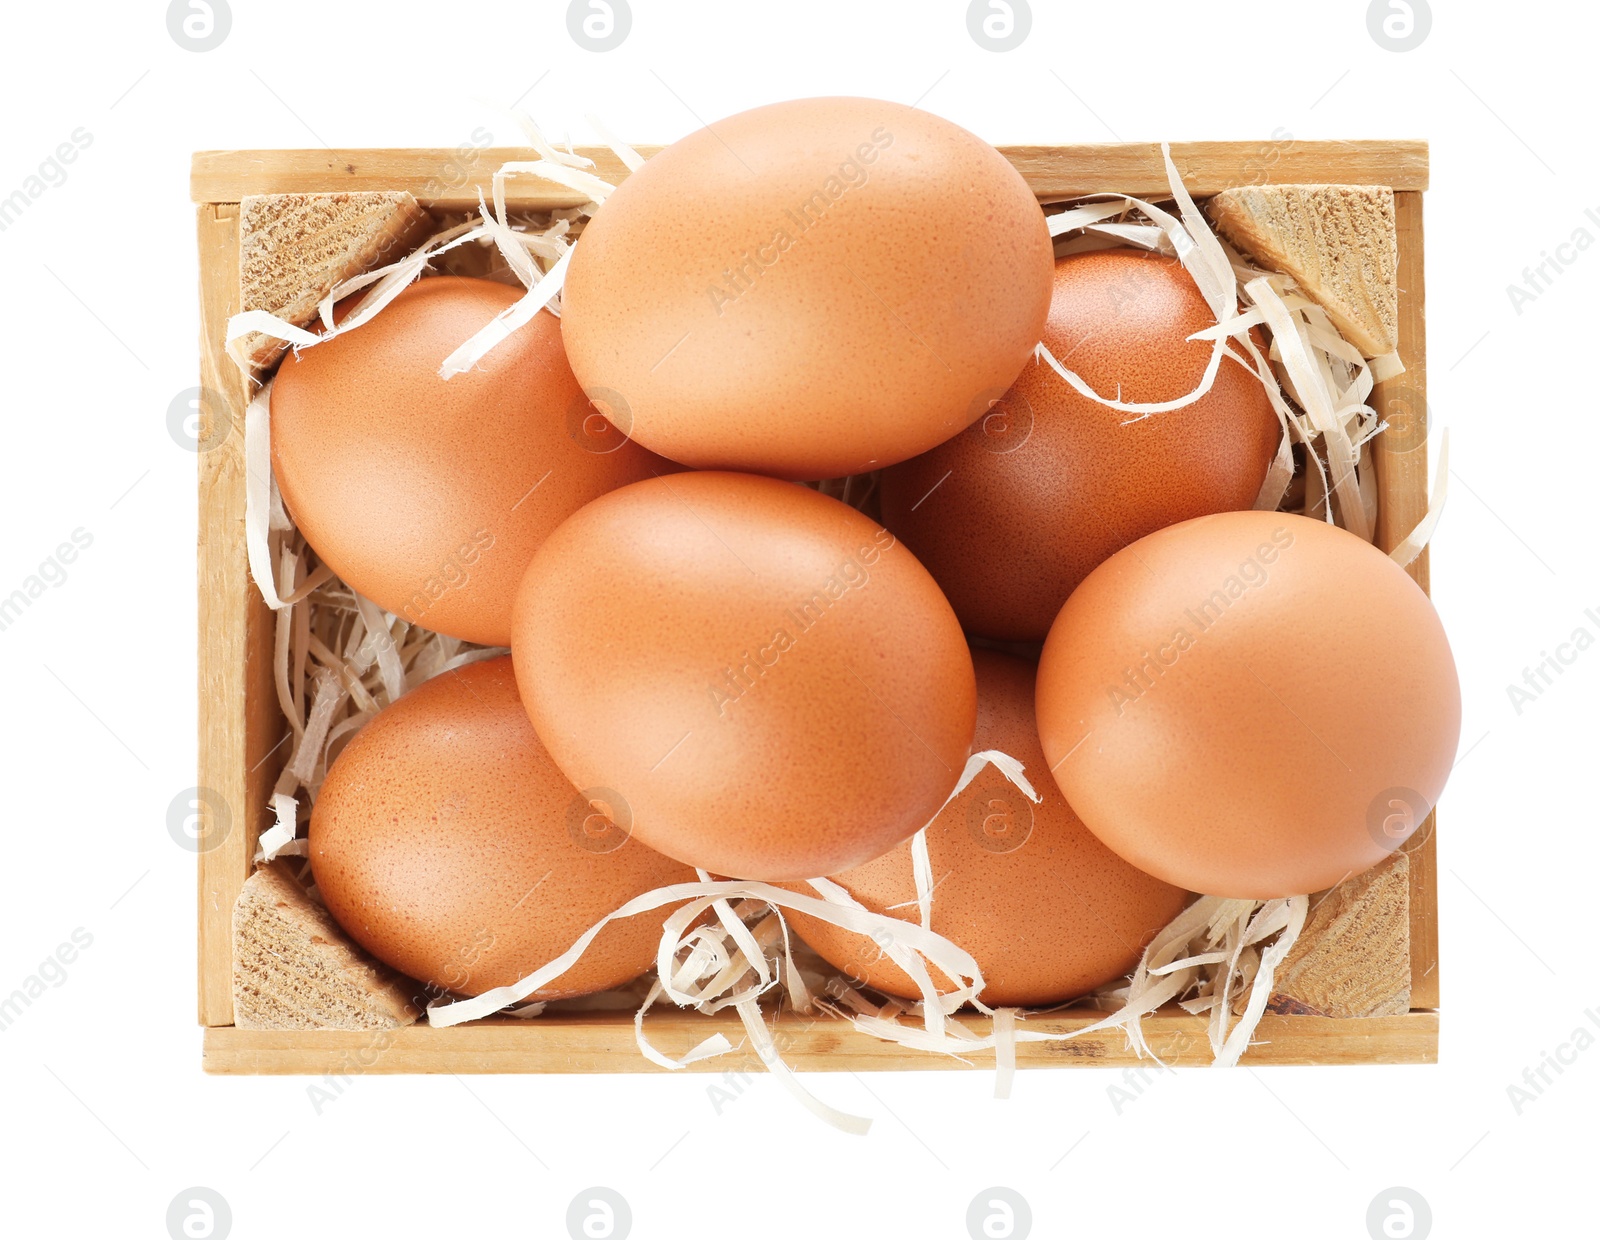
point(1410, 547)
point(1317, 382)
point(523, 249)
point(499, 328)
point(338, 659)
point(631, 159)
point(727, 963)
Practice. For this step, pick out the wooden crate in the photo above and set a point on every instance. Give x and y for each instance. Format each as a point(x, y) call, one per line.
point(241, 731)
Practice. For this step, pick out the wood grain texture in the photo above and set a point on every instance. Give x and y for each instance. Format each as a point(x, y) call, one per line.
point(1337, 241)
point(239, 723)
point(436, 177)
point(296, 248)
point(1352, 959)
point(1401, 458)
point(604, 1042)
point(294, 968)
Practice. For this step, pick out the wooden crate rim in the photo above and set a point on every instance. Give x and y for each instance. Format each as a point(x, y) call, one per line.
point(604, 1042)
point(1052, 171)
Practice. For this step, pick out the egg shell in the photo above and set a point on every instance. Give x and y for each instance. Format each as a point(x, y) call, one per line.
point(448, 844)
point(1047, 911)
point(1012, 514)
point(809, 289)
point(773, 685)
point(1250, 704)
point(427, 495)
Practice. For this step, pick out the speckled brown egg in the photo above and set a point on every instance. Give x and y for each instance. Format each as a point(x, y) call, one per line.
point(427, 495)
point(1012, 514)
point(448, 844)
point(809, 289)
point(1047, 911)
point(773, 685)
point(1250, 704)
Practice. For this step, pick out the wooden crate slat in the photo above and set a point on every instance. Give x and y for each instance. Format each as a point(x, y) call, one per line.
point(436, 177)
point(239, 722)
point(1401, 458)
point(604, 1042)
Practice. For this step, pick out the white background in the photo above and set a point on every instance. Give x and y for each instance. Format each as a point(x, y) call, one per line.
point(107, 1114)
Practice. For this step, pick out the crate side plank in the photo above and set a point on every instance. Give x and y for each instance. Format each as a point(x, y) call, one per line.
point(238, 718)
point(438, 177)
point(1401, 458)
point(604, 1042)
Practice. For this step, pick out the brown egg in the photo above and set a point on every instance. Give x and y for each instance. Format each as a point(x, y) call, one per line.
point(1011, 515)
point(774, 686)
point(1250, 704)
point(450, 847)
point(429, 496)
point(1047, 911)
point(860, 280)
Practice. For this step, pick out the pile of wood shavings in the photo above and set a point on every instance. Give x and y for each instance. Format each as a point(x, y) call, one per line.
point(338, 659)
